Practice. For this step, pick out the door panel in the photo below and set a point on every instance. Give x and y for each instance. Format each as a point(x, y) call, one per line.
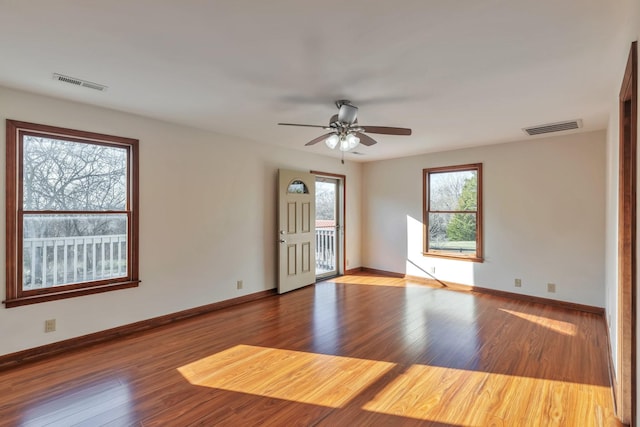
point(291, 260)
point(291, 218)
point(296, 230)
point(306, 217)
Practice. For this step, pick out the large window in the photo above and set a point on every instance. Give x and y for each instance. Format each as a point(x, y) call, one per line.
point(453, 212)
point(72, 213)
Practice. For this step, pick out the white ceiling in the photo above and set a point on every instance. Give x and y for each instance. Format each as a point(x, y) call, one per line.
point(458, 72)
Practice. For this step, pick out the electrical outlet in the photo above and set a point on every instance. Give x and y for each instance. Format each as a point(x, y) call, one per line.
point(432, 269)
point(50, 325)
point(518, 283)
point(239, 284)
point(551, 287)
point(347, 262)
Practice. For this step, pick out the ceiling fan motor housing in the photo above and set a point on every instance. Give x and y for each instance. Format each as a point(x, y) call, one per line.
point(347, 114)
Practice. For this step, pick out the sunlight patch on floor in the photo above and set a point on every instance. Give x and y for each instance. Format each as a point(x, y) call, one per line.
point(564, 328)
point(317, 379)
point(472, 398)
point(370, 280)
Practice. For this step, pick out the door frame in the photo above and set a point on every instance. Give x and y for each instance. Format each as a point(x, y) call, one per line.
point(342, 189)
point(627, 211)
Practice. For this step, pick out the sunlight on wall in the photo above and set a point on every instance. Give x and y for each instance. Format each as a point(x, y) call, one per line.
point(564, 328)
point(317, 379)
point(431, 267)
point(471, 398)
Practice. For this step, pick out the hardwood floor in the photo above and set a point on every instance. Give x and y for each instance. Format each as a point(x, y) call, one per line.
point(358, 350)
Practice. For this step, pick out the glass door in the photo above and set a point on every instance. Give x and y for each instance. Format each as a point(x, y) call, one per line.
point(328, 227)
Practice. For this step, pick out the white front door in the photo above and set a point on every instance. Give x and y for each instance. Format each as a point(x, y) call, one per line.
point(296, 230)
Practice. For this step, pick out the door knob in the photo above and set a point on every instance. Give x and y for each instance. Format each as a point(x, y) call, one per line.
point(283, 241)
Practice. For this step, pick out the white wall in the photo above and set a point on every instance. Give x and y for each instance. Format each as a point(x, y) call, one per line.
point(629, 32)
point(207, 218)
point(544, 217)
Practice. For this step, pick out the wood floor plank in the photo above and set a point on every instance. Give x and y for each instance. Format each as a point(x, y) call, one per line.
point(357, 350)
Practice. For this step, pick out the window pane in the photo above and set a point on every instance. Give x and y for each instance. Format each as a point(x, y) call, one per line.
point(453, 191)
point(298, 187)
point(454, 233)
point(65, 249)
point(73, 176)
point(326, 201)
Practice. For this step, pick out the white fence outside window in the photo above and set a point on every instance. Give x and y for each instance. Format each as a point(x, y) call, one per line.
point(60, 261)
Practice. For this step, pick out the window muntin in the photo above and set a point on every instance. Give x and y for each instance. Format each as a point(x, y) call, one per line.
point(72, 225)
point(453, 212)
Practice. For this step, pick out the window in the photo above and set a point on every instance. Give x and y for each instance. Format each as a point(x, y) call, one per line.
point(72, 213)
point(453, 212)
point(297, 187)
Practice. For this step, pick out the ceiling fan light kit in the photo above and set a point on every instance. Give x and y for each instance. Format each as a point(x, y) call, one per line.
point(344, 143)
point(345, 132)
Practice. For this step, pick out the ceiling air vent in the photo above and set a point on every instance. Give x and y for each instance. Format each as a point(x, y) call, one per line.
point(553, 127)
point(79, 82)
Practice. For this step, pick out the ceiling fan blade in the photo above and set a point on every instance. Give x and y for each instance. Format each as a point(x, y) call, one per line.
point(386, 130)
point(366, 139)
point(307, 126)
point(320, 138)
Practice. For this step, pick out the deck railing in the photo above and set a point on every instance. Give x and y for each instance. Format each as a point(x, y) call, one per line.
point(59, 261)
point(325, 249)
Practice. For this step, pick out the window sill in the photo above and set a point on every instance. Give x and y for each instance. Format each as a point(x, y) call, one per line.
point(52, 296)
point(469, 258)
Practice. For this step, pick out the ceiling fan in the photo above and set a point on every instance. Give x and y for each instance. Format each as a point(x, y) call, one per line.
point(345, 132)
